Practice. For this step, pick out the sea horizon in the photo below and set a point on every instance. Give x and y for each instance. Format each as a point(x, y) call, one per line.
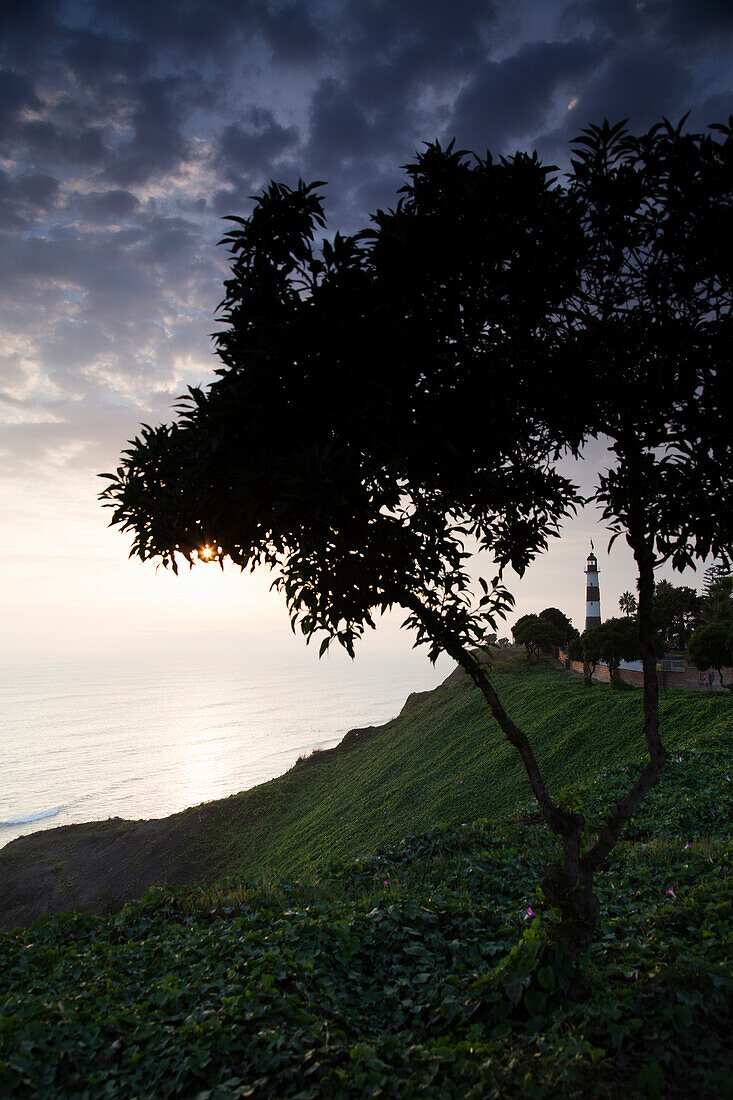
point(149, 733)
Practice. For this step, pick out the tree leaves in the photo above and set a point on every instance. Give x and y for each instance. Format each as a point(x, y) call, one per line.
point(489, 324)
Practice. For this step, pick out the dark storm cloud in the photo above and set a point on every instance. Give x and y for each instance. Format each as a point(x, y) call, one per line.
point(45, 143)
point(96, 58)
point(397, 62)
point(507, 100)
point(290, 33)
point(339, 125)
point(248, 153)
point(23, 198)
point(431, 39)
point(30, 28)
point(640, 84)
point(106, 207)
point(216, 28)
point(398, 73)
point(127, 127)
point(683, 20)
point(157, 144)
point(714, 109)
point(680, 22)
point(16, 93)
point(254, 145)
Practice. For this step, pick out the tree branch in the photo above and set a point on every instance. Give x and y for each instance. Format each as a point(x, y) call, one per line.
point(626, 806)
point(558, 820)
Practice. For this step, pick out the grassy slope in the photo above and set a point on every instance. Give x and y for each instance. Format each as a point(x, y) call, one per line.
point(442, 759)
point(406, 972)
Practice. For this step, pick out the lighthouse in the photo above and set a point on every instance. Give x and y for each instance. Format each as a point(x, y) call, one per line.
point(592, 592)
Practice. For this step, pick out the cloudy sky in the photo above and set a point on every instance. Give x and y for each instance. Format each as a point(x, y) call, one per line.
point(127, 130)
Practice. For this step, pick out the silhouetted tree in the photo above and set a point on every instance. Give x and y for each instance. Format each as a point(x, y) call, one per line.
point(712, 575)
point(628, 604)
point(536, 634)
point(590, 648)
point(711, 646)
point(563, 626)
point(675, 608)
point(611, 642)
point(463, 320)
point(717, 605)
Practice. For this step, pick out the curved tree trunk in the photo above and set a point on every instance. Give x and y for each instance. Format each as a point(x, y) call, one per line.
point(623, 810)
point(568, 886)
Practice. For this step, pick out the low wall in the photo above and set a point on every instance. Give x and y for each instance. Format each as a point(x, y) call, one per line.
point(687, 679)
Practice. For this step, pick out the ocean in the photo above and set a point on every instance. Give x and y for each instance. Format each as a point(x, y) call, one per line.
point(146, 734)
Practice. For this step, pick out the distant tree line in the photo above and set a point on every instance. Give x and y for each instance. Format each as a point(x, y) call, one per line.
point(710, 643)
point(544, 632)
point(700, 624)
point(608, 643)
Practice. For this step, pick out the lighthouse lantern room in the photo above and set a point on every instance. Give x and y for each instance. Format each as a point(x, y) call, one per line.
point(592, 592)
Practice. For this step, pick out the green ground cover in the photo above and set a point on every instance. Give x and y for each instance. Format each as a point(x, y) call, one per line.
point(412, 969)
point(443, 759)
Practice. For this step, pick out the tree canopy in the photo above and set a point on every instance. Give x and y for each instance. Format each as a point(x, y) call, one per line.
point(628, 603)
point(536, 634)
point(711, 646)
point(612, 641)
point(716, 572)
point(717, 605)
point(541, 633)
point(562, 624)
point(465, 319)
point(361, 504)
point(675, 610)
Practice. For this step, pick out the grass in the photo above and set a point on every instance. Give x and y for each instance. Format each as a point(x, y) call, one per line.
point(443, 759)
point(407, 960)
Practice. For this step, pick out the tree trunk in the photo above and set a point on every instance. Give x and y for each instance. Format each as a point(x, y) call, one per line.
point(579, 909)
point(568, 886)
point(624, 809)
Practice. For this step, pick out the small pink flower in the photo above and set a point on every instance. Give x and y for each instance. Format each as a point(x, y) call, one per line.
point(688, 845)
point(671, 892)
point(386, 882)
point(529, 913)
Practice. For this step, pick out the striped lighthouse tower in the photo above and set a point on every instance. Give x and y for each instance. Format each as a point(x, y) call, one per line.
point(592, 592)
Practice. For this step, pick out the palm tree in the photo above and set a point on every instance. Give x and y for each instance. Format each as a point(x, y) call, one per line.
point(717, 606)
point(628, 604)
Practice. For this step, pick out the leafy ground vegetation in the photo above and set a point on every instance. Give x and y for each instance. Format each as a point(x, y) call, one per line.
point(443, 759)
point(417, 969)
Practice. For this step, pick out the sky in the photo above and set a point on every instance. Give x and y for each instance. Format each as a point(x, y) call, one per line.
point(128, 130)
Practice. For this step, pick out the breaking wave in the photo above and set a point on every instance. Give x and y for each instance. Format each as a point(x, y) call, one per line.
point(31, 817)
